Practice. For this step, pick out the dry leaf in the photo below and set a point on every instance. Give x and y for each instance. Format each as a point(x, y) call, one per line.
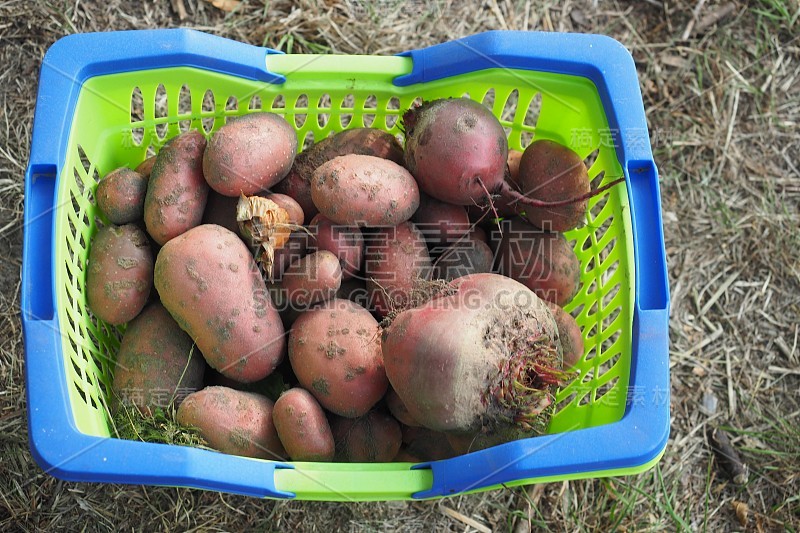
point(265, 226)
point(742, 511)
point(225, 5)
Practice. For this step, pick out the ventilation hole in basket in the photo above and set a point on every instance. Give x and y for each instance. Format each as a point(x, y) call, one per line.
point(609, 395)
point(345, 119)
point(84, 159)
point(598, 179)
point(161, 131)
point(79, 390)
point(610, 346)
point(592, 331)
point(533, 111)
point(136, 136)
point(416, 102)
point(322, 119)
point(232, 104)
point(92, 401)
point(393, 103)
point(567, 400)
point(590, 264)
point(510, 107)
point(137, 105)
point(81, 241)
point(255, 102)
point(586, 398)
point(610, 317)
point(609, 295)
point(160, 102)
point(75, 366)
point(525, 138)
point(612, 357)
point(301, 103)
point(209, 107)
point(600, 232)
point(151, 151)
point(591, 312)
point(591, 158)
point(279, 102)
point(368, 119)
point(371, 102)
point(488, 98)
point(308, 140)
point(299, 120)
point(324, 101)
point(348, 102)
point(390, 121)
point(185, 100)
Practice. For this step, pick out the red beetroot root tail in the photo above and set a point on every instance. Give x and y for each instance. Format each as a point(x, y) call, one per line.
point(523, 387)
point(521, 198)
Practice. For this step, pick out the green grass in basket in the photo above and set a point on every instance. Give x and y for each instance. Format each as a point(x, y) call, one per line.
point(160, 426)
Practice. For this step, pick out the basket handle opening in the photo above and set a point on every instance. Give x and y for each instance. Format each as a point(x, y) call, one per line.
point(37, 282)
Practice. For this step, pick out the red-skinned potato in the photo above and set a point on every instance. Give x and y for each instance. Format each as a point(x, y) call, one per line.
point(157, 364)
point(120, 195)
point(372, 438)
point(234, 422)
point(395, 259)
point(336, 355)
point(146, 167)
point(177, 192)
point(289, 204)
point(294, 249)
point(364, 141)
point(364, 190)
point(314, 278)
point(221, 210)
point(303, 427)
point(210, 284)
point(119, 273)
point(249, 154)
point(542, 261)
point(345, 242)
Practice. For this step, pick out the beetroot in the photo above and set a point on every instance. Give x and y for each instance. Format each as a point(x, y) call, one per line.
point(552, 172)
point(485, 358)
point(456, 149)
point(458, 152)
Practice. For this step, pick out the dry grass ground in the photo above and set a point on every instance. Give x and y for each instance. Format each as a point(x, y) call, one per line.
point(723, 103)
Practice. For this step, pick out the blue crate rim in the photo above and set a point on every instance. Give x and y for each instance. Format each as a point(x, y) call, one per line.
point(61, 450)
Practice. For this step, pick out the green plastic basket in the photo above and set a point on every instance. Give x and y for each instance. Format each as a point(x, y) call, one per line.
point(121, 118)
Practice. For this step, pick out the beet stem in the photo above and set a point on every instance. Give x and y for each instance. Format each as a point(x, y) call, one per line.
point(521, 198)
